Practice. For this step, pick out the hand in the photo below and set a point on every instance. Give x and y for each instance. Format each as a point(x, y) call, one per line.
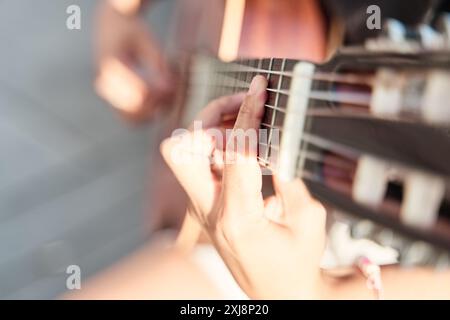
point(132, 72)
point(272, 247)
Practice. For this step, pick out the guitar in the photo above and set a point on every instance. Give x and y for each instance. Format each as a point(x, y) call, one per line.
point(367, 131)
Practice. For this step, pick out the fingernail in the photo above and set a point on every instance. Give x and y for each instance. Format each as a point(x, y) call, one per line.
point(258, 85)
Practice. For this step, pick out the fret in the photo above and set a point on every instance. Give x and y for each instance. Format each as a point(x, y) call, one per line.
point(285, 83)
point(270, 126)
point(250, 69)
point(243, 74)
point(266, 66)
point(272, 135)
point(271, 107)
point(281, 91)
point(253, 67)
point(249, 74)
point(216, 84)
point(236, 79)
point(221, 82)
point(266, 150)
point(355, 79)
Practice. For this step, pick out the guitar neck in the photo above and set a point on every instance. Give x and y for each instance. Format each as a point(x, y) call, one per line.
point(357, 129)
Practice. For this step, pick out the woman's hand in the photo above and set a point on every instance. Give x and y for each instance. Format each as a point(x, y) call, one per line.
point(272, 246)
point(133, 74)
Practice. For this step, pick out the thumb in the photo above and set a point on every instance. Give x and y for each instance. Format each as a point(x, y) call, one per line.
point(300, 210)
point(242, 174)
point(188, 157)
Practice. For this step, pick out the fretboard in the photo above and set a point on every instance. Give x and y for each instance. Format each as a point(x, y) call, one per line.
point(323, 141)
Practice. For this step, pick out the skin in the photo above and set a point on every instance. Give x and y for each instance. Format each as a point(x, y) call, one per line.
point(149, 273)
point(249, 233)
point(225, 200)
point(133, 74)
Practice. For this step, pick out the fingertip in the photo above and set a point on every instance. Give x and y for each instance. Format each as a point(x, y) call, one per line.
point(257, 92)
point(164, 147)
point(258, 85)
point(296, 187)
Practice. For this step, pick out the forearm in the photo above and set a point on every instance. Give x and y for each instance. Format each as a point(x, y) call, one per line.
point(398, 283)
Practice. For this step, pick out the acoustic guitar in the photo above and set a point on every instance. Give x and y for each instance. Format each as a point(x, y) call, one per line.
point(367, 130)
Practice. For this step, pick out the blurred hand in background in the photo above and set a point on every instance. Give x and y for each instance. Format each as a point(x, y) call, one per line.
point(133, 74)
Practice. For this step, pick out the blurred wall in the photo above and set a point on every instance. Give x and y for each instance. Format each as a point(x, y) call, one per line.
point(72, 174)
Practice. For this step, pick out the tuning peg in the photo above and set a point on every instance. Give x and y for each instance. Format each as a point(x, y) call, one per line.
point(435, 107)
point(418, 253)
point(395, 30)
point(393, 36)
point(370, 183)
point(387, 91)
point(422, 197)
point(430, 38)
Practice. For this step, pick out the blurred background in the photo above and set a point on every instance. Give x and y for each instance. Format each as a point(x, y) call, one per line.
point(73, 174)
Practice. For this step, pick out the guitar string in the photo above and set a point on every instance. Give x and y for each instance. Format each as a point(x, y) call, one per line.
point(316, 157)
point(224, 83)
point(318, 75)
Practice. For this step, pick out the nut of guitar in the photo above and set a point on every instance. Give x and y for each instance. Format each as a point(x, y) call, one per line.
point(422, 197)
point(369, 186)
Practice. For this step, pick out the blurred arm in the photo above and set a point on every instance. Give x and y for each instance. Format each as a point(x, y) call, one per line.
point(149, 273)
point(399, 283)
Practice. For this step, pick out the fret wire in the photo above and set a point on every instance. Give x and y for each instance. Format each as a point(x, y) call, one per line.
point(220, 82)
point(342, 97)
point(282, 91)
point(320, 76)
point(268, 79)
point(226, 86)
point(274, 112)
point(248, 76)
point(215, 85)
point(236, 79)
point(355, 98)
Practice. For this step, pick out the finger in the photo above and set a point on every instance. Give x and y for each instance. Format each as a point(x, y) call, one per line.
point(217, 163)
point(242, 174)
point(252, 109)
point(189, 234)
point(188, 156)
point(150, 55)
point(273, 209)
point(293, 194)
point(299, 208)
point(215, 112)
point(120, 86)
